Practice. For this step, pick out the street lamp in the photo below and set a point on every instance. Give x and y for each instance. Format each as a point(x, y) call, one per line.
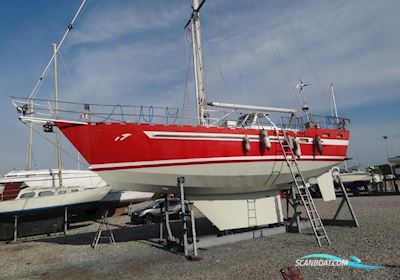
point(386, 147)
point(391, 167)
point(387, 153)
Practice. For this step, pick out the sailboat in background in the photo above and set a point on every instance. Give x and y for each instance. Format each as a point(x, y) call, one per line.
point(232, 149)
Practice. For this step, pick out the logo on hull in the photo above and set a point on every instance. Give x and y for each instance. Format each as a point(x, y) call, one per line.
point(122, 137)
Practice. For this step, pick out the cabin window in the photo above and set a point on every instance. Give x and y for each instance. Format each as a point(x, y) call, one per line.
point(62, 192)
point(27, 195)
point(325, 135)
point(46, 193)
point(74, 190)
point(339, 136)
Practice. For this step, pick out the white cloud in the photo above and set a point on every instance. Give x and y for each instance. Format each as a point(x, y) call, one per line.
point(108, 21)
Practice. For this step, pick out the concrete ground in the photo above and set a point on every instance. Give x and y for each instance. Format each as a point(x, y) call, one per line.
point(137, 255)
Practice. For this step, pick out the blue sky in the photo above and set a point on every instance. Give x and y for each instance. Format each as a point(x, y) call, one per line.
point(135, 52)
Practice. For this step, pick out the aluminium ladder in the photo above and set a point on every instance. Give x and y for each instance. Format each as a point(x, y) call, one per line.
point(301, 186)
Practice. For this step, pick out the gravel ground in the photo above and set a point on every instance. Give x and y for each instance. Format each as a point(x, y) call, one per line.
point(136, 255)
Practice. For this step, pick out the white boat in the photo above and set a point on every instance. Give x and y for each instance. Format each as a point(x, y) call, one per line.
point(48, 178)
point(37, 190)
point(352, 179)
point(355, 176)
point(352, 176)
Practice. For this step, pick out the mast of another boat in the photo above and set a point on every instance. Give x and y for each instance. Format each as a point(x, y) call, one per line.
point(201, 104)
point(58, 143)
point(334, 101)
point(30, 140)
point(337, 117)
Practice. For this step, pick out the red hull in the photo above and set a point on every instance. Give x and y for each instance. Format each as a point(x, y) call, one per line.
point(108, 144)
point(145, 157)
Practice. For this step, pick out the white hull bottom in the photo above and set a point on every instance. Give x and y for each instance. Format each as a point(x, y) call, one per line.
point(58, 200)
point(213, 179)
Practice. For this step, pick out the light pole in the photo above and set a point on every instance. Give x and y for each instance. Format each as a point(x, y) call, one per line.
point(387, 153)
point(386, 147)
point(387, 157)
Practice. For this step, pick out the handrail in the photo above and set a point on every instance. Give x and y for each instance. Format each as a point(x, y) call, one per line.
point(42, 112)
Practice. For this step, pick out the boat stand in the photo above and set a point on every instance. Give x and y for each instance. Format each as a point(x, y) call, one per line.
point(15, 228)
point(104, 226)
point(345, 199)
point(15, 232)
point(65, 220)
point(166, 222)
point(185, 214)
point(294, 220)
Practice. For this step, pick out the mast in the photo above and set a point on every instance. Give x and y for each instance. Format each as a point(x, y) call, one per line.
point(58, 143)
point(201, 104)
point(30, 139)
point(334, 101)
point(337, 118)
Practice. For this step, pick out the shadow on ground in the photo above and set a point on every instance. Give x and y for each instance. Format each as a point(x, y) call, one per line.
point(126, 233)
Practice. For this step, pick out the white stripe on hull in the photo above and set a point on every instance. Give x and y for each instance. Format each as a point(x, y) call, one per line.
point(213, 179)
point(210, 159)
point(201, 136)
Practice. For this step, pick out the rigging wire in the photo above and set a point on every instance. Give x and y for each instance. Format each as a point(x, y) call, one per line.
point(66, 68)
point(282, 63)
point(189, 56)
point(301, 49)
point(46, 70)
point(243, 86)
point(217, 54)
point(55, 144)
point(223, 85)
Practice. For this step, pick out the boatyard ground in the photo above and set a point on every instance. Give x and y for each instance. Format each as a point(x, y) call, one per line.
point(137, 255)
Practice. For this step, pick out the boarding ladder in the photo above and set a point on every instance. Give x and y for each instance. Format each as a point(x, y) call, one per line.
point(301, 185)
point(302, 188)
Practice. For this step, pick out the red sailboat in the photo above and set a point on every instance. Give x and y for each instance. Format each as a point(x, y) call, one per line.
point(240, 152)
